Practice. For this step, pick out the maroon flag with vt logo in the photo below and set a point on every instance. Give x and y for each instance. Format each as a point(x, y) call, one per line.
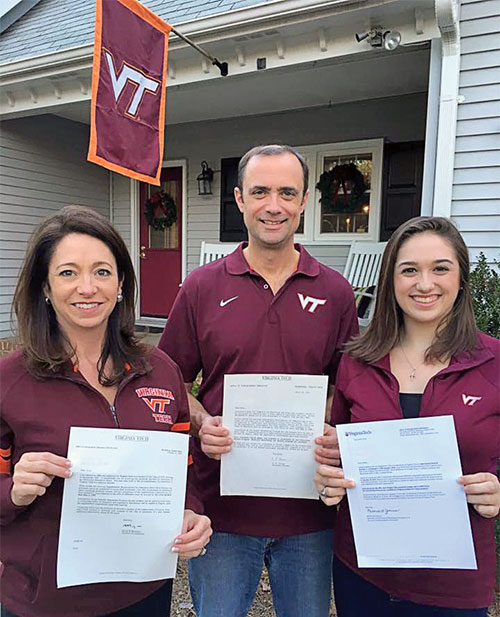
point(128, 90)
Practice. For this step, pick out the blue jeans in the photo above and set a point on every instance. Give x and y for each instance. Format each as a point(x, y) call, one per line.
point(356, 597)
point(224, 581)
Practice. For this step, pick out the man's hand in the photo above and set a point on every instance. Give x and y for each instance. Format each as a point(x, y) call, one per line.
point(33, 474)
point(483, 493)
point(328, 451)
point(331, 484)
point(196, 532)
point(215, 439)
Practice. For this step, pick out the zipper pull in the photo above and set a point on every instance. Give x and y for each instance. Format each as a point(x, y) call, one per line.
point(113, 412)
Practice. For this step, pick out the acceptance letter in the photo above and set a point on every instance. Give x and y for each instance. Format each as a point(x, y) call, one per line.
point(407, 509)
point(123, 506)
point(273, 420)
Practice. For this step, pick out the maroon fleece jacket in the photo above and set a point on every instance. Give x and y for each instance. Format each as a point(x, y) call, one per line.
point(468, 389)
point(36, 416)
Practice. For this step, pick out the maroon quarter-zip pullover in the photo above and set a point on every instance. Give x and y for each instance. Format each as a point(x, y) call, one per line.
point(36, 416)
point(468, 389)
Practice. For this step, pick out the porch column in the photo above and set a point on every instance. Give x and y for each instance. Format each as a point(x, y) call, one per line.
point(447, 18)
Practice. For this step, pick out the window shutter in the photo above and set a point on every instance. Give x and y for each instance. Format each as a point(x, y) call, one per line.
point(232, 228)
point(402, 189)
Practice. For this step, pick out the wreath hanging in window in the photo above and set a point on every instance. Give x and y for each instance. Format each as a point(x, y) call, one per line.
point(351, 180)
point(160, 211)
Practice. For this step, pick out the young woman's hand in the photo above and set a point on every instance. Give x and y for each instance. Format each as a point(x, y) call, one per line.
point(33, 474)
point(196, 532)
point(328, 451)
point(483, 493)
point(331, 484)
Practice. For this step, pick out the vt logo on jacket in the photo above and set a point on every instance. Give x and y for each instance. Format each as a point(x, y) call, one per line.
point(309, 301)
point(157, 400)
point(470, 400)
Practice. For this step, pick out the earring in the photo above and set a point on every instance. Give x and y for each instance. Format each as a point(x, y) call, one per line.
point(47, 300)
point(119, 297)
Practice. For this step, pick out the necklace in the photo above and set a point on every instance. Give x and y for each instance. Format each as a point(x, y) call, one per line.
point(413, 372)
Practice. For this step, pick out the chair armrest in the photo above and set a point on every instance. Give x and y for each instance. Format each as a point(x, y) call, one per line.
point(364, 294)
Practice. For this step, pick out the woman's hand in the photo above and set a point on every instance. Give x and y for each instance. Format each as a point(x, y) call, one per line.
point(34, 473)
point(196, 532)
point(483, 493)
point(328, 452)
point(331, 484)
point(215, 438)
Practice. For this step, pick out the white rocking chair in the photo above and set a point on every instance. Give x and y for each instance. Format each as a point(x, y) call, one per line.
point(211, 252)
point(362, 270)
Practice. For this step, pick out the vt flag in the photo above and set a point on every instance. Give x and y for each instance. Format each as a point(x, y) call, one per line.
point(127, 123)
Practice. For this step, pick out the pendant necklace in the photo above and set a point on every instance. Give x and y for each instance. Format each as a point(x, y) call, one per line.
point(413, 373)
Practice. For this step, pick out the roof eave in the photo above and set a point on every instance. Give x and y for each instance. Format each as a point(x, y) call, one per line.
point(203, 29)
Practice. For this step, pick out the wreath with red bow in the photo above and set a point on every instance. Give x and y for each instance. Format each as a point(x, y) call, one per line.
point(350, 179)
point(160, 211)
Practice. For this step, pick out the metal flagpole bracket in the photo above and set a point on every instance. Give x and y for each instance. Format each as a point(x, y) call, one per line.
point(222, 66)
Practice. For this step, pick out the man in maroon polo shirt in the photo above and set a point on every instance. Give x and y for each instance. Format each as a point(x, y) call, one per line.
point(269, 307)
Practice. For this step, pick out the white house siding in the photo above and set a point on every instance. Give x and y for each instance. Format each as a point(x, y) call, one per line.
point(43, 168)
point(393, 118)
point(476, 183)
point(121, 188)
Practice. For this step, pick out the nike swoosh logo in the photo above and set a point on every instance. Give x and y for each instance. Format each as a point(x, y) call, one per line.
point(224, 302)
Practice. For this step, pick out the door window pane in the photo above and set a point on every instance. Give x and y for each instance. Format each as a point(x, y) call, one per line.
point(167, 238)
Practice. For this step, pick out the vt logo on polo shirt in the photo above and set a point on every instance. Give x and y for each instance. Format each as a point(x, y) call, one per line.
point(157, 401)
point(308, 303)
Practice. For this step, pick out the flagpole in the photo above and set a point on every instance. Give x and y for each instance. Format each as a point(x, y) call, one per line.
point(222, 66)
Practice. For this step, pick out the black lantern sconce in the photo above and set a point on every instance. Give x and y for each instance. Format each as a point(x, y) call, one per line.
point(205, 179)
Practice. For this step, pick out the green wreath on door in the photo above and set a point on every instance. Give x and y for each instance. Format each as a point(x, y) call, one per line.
point(160, 211)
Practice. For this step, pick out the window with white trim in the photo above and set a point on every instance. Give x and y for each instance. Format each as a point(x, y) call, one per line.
point(348, 206)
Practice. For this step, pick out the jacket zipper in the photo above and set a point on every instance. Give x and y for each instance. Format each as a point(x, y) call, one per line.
point(112, 408)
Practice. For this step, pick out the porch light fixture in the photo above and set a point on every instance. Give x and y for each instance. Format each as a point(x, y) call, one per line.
point(205, 179)
point(388, 39)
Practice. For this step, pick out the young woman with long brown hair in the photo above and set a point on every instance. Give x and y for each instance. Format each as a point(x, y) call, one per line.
point(422, 355)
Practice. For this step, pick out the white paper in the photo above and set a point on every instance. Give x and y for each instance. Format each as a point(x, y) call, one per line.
point(273, 420)
point(123, 506)
point(407, 509)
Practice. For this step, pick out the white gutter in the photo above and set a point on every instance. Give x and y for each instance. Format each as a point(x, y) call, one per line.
point(204, 29)
point(448, 24)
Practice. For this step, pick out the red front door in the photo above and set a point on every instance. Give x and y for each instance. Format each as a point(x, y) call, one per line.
point(161, 250)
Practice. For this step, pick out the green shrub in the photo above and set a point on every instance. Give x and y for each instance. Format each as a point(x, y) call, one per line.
point(485, 291)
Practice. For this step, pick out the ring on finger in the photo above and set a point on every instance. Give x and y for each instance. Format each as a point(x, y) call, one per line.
point(203, 551)
point(323, 492)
